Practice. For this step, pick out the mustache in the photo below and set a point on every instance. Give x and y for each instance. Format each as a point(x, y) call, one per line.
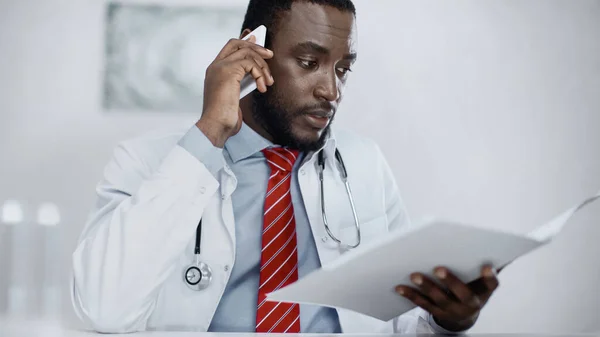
point(270, 98)
point(324, 107)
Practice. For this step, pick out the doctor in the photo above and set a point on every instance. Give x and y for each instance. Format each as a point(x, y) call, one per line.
point(249, 171)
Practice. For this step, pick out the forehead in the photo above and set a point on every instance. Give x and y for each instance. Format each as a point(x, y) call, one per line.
point(324, 25)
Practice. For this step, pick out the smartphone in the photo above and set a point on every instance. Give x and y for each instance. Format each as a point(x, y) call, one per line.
point(248, 84)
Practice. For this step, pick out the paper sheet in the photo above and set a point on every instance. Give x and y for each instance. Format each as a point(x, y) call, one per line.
point(363, 280)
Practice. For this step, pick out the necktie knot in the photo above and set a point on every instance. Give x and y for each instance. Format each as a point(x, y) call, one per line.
point(280, 158)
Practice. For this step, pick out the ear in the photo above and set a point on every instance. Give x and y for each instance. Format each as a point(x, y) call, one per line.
point(245, 33)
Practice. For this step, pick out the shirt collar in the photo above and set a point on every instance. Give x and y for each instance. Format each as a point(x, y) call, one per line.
point(245, 143)
point(248, 142)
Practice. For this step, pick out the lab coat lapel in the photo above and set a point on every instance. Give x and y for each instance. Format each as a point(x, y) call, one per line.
point(228, 186)
point(328, 249)
point(309, 181)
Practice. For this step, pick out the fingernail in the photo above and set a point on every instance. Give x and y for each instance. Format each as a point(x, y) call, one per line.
point(441, 273)
point(417, 279)
point(400, 291)
point(272, 79)
point(488, 272)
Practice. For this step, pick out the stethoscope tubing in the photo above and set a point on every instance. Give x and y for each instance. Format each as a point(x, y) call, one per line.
point(198, 275)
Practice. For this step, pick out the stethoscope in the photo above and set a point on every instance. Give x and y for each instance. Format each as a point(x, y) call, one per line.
point(344, 176)
point(198, 275)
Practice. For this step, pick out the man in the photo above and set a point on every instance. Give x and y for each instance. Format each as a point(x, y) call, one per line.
point(247, 169)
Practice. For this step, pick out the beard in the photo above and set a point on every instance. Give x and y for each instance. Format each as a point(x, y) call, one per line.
point(268, 110)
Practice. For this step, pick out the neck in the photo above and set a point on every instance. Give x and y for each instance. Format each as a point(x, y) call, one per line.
point(246, 106)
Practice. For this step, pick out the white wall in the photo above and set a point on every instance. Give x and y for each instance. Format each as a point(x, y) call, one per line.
point(488, 113)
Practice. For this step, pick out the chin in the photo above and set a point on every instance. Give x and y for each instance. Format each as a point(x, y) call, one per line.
point(308, 135)
point(309, 140)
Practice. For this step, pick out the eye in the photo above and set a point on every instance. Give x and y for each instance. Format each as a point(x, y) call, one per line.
point(307, 64)
point(344, 71)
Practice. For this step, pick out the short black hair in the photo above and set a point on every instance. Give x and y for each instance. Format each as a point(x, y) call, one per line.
point(268, 13)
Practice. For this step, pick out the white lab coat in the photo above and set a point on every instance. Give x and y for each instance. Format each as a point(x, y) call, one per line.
point(128, 265)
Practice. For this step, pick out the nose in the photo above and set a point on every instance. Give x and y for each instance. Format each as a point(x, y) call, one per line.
point(327, 87)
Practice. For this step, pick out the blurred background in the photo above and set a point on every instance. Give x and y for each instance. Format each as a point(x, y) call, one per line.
point(488, 112)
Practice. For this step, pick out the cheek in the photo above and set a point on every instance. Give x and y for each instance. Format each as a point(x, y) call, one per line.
point(290, 97)
point(341, 88)
point(295, 90)
point(291, 79)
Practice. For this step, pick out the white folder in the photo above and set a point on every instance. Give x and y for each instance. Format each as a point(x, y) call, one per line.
point(364, 280)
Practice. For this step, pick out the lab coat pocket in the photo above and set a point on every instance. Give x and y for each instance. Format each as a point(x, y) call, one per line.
point(369, 231)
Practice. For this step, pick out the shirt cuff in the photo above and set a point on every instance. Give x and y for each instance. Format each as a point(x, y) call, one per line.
point(198, 145)
point(439, 329)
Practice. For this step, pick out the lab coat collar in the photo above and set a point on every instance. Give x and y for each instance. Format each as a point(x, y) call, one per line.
point(248, 142)
point(328, 149)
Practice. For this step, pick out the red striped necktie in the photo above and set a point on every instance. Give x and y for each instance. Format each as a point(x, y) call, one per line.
point(279, 255)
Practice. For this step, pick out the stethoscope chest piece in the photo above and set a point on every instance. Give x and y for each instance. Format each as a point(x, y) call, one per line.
point(197, 276)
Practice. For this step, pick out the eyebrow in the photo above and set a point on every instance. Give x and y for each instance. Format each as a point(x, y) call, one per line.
point(317, 48)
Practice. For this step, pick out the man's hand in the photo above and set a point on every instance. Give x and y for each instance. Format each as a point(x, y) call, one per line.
point(221, 113)
point(455, 305)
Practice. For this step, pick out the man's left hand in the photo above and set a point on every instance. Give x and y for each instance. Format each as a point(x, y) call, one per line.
point(456, 307)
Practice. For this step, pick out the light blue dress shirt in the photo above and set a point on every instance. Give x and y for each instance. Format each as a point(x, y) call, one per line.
point(237, 310)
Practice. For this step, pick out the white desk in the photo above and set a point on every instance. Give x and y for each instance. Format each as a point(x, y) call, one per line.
point(48, 329)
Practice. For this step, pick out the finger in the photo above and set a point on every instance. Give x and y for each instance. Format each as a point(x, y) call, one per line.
point(236, 44)
point(251, 38)
point(478, 287)
point(460, 290)
point(490, 280)
point(420, 300)
point(251, 67)
point(252, 55)
point(438, 296)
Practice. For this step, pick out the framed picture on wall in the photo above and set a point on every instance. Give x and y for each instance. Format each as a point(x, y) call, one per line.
point(156, 55)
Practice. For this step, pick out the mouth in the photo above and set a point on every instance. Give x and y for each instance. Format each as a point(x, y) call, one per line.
point(321, 113)
point(318, 120)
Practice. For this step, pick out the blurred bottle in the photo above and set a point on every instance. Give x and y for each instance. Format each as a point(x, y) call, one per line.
point(7, 217)
point(48, 219)
point(18, 238)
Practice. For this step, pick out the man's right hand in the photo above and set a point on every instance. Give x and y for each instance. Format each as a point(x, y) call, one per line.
point(221, 113)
